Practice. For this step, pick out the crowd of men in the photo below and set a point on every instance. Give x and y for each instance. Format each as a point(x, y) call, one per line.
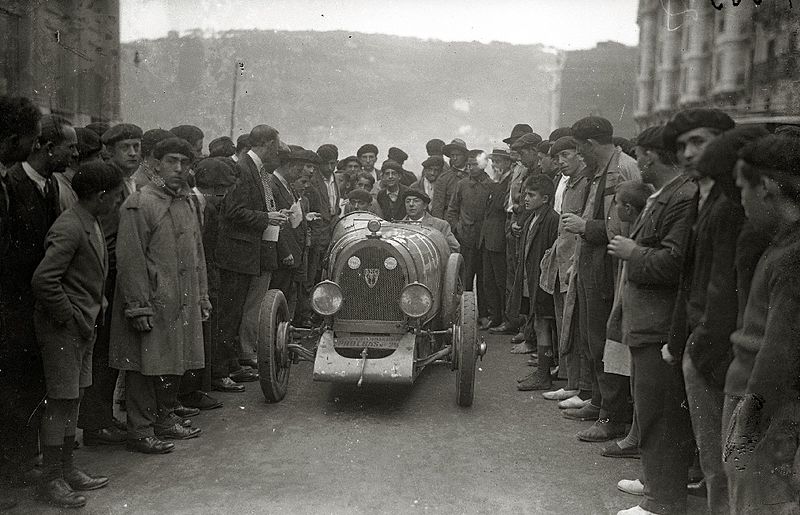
point(658, 278)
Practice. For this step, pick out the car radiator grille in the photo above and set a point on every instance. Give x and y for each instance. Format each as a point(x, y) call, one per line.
point(380, 302)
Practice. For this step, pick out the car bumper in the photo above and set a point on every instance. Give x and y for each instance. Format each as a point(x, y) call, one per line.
point(397, 368)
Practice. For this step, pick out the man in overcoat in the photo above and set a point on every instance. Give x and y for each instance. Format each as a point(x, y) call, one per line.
point(161, 300)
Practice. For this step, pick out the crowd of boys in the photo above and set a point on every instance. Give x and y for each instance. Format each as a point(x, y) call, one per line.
point(658, 278)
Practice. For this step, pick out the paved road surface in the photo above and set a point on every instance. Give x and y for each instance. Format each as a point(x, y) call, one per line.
point(336, 449)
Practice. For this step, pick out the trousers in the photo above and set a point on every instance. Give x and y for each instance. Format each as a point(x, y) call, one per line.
point(473, 275)
point(494, 284)
point(150, 401)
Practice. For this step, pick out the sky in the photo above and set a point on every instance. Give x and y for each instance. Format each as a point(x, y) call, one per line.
point(563, 24)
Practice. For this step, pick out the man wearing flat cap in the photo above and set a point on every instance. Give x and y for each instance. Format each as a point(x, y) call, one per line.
point(596, 224)
point(457, 152)
point(160, 302)
point(398, 156)
point(416, 203)
point(431, 170)
point(368, 155)
point(691, 130)
point(388, 197)
point(146, 172)
point(123, 143)
point(247, 254)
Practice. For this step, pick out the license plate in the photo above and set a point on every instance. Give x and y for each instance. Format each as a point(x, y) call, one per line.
point(373, 342)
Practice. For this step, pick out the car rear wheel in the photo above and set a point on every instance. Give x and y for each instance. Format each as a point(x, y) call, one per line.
point(465, 349)
point(274, 361)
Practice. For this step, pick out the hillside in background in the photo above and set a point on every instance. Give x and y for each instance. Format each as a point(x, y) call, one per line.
point(601, 81)
point(339, 87)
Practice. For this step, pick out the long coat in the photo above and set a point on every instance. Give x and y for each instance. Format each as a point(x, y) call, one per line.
point(161, 273)
point(493, 231)
point(536, 237)
point(467, 209)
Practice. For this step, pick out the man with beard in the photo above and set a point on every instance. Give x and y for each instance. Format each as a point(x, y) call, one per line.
point(597, 224)
point(466, 213)
point(22, 382)
point(161, 301)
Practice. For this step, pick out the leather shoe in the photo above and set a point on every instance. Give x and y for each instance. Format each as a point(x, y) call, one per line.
point(150, 445)
point(226, 384)
point(602, 431)
point(185, 411)
point(574, 403)
point(585, 413)
point(106, 436)
point(697, 489)
point(631, 486)
point(252, 363)
point(245, 375)
point(178, 432)
point(560, 394)
point(518, 338)
point(613, 450)
point(58, 493)
point(504, 328)
point(200, 400)
point(81, 481)
point(534, 383)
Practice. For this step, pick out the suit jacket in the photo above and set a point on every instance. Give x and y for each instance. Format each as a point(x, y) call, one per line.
point(445, 188)
point(243, 218)
point(467, 209)
point(654, 269)
point(28, 220)
point(291, 241)
point(443, 227)
point(707, 301)
point(70, 281)
point(493, 231)
point(392, 210)
point(319, 202)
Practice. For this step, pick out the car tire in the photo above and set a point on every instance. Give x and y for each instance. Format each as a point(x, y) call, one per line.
point(465, 347)
point(274, 362)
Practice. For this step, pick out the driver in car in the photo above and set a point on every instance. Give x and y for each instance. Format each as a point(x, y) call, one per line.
point(416, 203)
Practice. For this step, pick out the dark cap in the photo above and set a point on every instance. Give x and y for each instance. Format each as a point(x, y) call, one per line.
point(173, 145)
point(243, 141)
point(392, 165)
point(414, 194)
point(456, 144)
point(530, 140)
point(690, 119)
point(360, 195)
point(560, 133)
point(564, 143)
point(592, 127)
point(395, 154)
point(720, 155)
point(99, 128)
point(328, 152)
point(213, 172)
point(652, 138)
point(369, 148)
point(543, 147)
point(434, 147)
point(190, 133)
point(88, 142)
point(221, 147)
point(517, 132)
point(121, 132)
point(343, 163)
point(151, 138)
point(433, 161)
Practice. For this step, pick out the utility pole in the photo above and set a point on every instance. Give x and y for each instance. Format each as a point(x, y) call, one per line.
point(237, 66)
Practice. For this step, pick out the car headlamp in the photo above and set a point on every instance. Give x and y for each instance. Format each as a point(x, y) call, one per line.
point(326, 298)
point(416, 300)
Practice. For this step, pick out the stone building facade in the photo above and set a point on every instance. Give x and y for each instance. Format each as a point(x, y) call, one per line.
point(64, 55)
point(744, 59)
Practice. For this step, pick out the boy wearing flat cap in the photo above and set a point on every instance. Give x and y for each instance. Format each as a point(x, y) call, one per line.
point(416, 203)
point(388, 197)
point(368, 155)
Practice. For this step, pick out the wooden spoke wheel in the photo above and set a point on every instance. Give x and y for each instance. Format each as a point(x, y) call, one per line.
point(274, 360)
point(465, 349)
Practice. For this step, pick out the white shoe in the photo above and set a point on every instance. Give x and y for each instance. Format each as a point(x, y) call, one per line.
point(560, 395)
point(574, 402)
point(633, 487)
point(636, 510)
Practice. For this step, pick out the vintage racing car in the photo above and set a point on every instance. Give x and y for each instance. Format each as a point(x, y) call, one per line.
point(392, 303)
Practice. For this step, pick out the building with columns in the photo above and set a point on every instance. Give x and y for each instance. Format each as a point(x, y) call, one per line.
point(63, 55)
point(743, 59)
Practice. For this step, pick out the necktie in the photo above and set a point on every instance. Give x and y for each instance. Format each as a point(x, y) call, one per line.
point(267, 189)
